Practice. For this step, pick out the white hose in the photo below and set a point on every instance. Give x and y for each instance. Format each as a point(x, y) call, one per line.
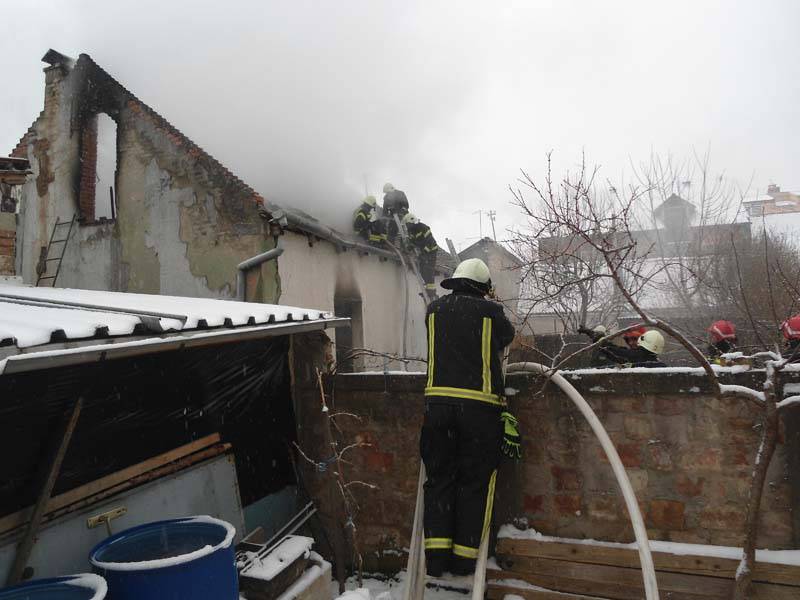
point(646, 559)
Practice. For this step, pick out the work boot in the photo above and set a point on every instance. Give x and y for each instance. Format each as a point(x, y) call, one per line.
point(436, 563)
point(462, 566)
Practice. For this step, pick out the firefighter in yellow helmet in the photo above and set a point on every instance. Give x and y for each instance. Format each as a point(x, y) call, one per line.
point(367, 224)
point(421, 238)
point(465, 426)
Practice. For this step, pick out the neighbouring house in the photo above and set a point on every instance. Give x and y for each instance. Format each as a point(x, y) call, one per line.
point(506, 270)
point(777, 211)
point(145, 209)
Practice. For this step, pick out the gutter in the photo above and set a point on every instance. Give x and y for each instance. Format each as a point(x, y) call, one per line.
point(50, 359)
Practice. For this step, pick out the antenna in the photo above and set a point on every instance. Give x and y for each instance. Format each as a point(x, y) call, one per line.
point(492, 214)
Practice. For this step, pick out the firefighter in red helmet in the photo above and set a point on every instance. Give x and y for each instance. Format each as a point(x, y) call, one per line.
point(632, 337)
point(721, 338)
point(791, 332)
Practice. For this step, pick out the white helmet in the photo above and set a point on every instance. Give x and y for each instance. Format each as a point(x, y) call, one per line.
point(601, 329)
point(653, 341)
point(410, 218)
point(472, 269)
point(387, 187)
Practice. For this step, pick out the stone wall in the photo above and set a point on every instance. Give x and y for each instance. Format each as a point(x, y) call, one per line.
point(689, 457)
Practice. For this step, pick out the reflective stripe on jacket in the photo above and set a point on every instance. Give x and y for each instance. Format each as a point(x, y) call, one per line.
point(466, 335)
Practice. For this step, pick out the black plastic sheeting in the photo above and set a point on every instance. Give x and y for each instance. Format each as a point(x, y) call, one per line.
point(140, 407)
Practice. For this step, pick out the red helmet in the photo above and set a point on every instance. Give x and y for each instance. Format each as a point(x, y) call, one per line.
point(722, 330)
point(791, 328)
point(635, 333)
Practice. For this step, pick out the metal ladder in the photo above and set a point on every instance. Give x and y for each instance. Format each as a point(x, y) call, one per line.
point(58, 248)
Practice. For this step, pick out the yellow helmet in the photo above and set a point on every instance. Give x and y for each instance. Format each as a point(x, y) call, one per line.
point(653, 341)
point(370, 200)
point(472, 269)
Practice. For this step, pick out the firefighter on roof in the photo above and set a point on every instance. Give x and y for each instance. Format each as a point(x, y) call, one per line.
point(420, 236)
point(464, 427)
point(367, 224)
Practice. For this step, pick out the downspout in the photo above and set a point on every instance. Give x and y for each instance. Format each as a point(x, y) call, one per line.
point(254, 261)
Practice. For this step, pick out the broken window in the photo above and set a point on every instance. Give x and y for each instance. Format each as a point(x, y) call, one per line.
point(98, 169)
point(105, 186)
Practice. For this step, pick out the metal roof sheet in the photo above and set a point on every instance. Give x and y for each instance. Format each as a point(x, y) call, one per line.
point(32, 316)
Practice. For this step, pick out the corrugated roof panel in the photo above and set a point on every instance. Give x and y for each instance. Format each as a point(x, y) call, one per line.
point(30, 316)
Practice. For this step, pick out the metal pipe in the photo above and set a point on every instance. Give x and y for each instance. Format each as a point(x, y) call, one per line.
point(254, 261)
point(639, 530)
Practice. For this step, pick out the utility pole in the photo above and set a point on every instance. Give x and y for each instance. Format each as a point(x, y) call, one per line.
point(492, 214)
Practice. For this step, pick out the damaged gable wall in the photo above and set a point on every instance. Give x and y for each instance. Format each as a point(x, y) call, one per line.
point(183, 221)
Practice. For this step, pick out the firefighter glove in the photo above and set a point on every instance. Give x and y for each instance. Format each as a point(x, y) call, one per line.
point(512, 446)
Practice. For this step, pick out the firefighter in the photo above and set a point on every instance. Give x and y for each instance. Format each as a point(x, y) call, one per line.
point(421, 238)
point(465, 427)
point(598, 358)
point(791, 333)
point(367, 224)
point(721, 339)
point(394, 203)
point(632, 337)
point(648, 348)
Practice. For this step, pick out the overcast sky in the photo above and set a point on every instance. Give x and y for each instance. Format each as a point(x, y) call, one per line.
point(308, 100)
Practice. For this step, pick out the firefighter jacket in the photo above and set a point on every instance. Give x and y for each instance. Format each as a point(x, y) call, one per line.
point(364, 224)
point(395, 202)
point(421, 237)
point(636, 357)
point(466, 335)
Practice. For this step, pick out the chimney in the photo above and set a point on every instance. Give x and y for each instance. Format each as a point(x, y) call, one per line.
point(773, 189)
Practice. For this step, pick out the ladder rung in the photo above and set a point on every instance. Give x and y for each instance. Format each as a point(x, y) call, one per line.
point(57, 241)
point(48, 277)
point(51, 259)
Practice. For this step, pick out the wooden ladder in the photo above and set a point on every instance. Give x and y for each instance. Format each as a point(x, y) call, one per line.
point(56, 248)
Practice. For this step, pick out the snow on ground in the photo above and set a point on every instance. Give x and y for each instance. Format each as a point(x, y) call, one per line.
point(782, 557)
point(448, 587)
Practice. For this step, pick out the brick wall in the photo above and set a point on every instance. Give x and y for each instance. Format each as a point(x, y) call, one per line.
point(88, 173)
point(688, 455)
point(7, 251)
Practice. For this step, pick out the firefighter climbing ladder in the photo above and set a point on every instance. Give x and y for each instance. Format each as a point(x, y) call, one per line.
point(56, 247)
point(415, 570)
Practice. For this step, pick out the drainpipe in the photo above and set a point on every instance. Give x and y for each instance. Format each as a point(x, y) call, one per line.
point(244, 266)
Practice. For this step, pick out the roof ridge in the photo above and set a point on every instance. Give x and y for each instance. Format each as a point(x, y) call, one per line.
point(185, 140)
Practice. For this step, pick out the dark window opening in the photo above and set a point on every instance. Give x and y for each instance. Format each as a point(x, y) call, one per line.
point(348, 338)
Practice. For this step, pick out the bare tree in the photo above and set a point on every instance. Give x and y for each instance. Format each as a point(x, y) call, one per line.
point(608, 230)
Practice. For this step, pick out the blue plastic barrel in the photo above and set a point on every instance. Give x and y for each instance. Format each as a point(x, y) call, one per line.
point(179, 559)
point(74, 587)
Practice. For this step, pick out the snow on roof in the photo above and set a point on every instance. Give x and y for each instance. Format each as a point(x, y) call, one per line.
point(32, 316)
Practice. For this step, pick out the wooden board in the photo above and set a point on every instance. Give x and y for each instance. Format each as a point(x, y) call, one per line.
point(510, 551)
point(498, 592)
point(621, 583)
point(124, 477)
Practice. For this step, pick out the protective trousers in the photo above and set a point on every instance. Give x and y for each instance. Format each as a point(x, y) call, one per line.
point(427, 270)
point(460, 444)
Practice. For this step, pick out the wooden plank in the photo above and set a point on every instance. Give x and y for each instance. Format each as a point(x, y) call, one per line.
point(616, 583)
point(97, 486)
point(498, 592)
point(49, 477)
point(622, 583)
point(509, 550)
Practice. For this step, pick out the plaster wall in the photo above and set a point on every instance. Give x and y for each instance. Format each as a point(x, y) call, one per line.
point(313, 276)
